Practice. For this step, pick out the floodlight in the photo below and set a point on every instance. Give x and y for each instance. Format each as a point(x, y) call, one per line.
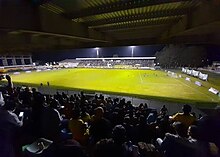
point(97, 51)
point(132, 50)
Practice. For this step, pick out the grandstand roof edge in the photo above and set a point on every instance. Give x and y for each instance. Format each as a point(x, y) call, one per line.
point(116, 58)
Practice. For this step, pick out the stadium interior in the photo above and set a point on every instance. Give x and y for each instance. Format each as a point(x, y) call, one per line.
point(162, 101)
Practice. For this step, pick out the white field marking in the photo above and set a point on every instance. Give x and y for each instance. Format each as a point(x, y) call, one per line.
point(197, 90)
point(140, 77)
point(142, 82)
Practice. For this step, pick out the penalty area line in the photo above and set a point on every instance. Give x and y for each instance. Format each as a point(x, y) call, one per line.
point(197, 90)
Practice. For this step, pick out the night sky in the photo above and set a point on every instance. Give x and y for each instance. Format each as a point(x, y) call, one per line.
point(139, 51)
point(213, 52)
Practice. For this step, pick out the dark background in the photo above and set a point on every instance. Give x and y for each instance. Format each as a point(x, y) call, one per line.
point(213, 52)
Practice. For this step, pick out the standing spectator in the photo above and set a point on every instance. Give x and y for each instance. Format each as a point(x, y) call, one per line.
point(8, 88)
point(10, 123)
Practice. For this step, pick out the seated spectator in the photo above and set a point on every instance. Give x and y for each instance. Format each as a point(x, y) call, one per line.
point(163, 110)
point(68, 148)
point(26, 97)
point(175, 145)
point(50, 121)
point(200, 148)
point(143, 130)
point(185, 118)
point(129, 127)
point(85, 115)
point(148, 150)
point(100, 127)
point(78, 127)
point(152, 117)
point(209, 127)
point(9, 123)
point(106, 148)
point(117, 146)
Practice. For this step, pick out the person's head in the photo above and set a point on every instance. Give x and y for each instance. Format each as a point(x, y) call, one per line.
point(34, 90)
point(27, 89)
point(99, 112)
point(8, 77)
point(186, 109)
point(142, 119)
point(127, 120)
point(54, 103)
point(75, 113)
point(96, 97)
point(193, 131)
point(119, 134)
point(105, 147)
point(180, 129)
point(10, 105)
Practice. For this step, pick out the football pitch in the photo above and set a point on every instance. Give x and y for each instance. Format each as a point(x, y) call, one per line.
point(152, 84)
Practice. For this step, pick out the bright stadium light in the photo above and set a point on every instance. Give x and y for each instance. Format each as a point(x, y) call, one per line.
point(97, 51)
point(132, 51)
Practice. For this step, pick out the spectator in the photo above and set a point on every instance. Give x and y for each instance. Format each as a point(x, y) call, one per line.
point(199, 148)
point(209, 127)
point(50, 127)
point(78, 127)
point(100, 127)
point(117, 146)
point(163, 110)
point(8, 88)
point(175, 145)
point(10, 123)
point(185, 118)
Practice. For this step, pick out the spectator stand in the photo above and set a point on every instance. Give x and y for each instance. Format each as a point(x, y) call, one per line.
point(117, 63)
point(154, 104)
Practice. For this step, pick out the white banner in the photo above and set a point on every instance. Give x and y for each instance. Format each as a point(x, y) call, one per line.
point(213, 90)
point(187, 79)
point(189, 72)
point(195, 73)
point(203, 77)
point(198, 83)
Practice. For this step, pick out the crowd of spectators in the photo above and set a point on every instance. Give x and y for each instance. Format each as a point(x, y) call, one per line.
point(78, 125)
point(133, 63)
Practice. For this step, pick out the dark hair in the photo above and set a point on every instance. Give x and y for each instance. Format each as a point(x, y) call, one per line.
point(187, 109)
point(105, 148)
point(10, 105)
point(54, 103)
point(75, 113)
point(119, 134)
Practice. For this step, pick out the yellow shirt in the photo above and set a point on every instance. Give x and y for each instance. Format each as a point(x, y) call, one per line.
point(77, 127)
point(187, 120)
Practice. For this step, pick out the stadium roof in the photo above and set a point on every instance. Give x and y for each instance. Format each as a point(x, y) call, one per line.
point(119, 58)
point(68, 24)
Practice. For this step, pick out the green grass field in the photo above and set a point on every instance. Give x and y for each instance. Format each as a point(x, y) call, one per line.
point(140, 83)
